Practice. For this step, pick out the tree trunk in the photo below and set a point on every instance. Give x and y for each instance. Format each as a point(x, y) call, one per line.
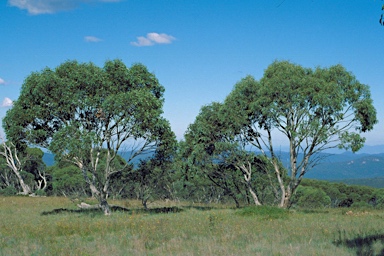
point(25, 187)
point(235, 199)
point(102, 198)
point(105, 206)
point(14, 163)
point(286, 198)
point(40, 182)
point(247, 172)
point(100, 195)
point(254, 196)
point(281, 184)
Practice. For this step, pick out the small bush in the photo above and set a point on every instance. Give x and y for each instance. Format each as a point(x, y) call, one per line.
point(363, 205)
point(8, 191)
point(40, 192)
point(310, 197)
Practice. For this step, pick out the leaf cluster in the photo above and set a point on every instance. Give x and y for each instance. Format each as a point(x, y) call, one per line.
point(309, 106)
point(84, 103)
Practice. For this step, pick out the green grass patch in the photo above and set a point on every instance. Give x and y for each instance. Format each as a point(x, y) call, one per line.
point(173, 228)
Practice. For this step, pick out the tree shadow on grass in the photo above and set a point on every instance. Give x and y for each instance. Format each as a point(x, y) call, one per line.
point(363, 244)
point(114, 208)
point(309, 211)
point(200, 208)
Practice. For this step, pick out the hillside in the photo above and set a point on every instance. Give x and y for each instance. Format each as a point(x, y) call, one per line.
point(349, 166)
point(343, 166)
point(377, 182)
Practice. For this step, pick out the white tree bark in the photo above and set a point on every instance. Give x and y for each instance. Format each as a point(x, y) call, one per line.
point(14, 163)
point(247, 176)
point(42, 181)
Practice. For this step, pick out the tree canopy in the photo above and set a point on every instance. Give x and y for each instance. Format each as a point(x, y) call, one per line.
point(213, 149)
point(314, 109)
point(78, 109)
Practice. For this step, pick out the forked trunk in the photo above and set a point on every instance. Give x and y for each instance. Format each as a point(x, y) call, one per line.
point(247, 172)
point(100, 195)
point(14, 163)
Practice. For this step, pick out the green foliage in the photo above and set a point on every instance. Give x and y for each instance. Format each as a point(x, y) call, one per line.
point(377, 182)
point(67, 180)
point(8, 191)
point(343, 195)
point(213, 153)
point(313, 108)
point(151, 181)
point(204, 155)
point(309, 197)
point(361, 205)
point(78, 110)
point(378, 198)
point(34, 165)
point(40, 192)
point(28, 164)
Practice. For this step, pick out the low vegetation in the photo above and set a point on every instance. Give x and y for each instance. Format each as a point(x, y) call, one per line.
point(55, 226)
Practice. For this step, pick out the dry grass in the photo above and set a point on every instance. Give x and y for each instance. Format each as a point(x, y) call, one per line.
point(193, 231)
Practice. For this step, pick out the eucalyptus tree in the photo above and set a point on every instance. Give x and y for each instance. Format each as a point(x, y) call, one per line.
point(313, 109)
point(216, 151)
point(22, 170)
point(77, 110)
point(14, 163)
point(152, 178)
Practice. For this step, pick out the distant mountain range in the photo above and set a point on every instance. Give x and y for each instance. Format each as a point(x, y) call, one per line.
point(377, 149)
point(347, 166)
point(49, 158)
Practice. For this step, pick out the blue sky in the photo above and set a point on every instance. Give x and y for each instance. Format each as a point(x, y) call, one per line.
point(198, 49)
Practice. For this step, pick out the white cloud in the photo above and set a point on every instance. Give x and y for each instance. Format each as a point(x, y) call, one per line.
point(36, 7)
point(92, 39)
point(142, 41)
point(7, 102)
point(153, 38)
point(2, 81)
point(160, 38)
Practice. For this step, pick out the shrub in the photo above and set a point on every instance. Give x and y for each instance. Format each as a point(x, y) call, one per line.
point(40, 192)
point(310, 197)
point(363, 205)
point(8, 191)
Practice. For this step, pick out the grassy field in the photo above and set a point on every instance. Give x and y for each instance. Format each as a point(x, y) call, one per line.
point(54, 226)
